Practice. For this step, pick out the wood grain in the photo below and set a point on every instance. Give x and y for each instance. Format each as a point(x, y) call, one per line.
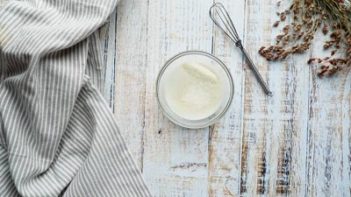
point(225, 136)
point(296, 143)
point(108, 43)
point(132, 20)
point(175, 159)
point(329, 133)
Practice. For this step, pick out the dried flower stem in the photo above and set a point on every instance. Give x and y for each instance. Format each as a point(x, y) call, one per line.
point(308, 16)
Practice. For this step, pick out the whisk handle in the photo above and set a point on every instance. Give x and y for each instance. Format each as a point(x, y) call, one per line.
point(254, 69)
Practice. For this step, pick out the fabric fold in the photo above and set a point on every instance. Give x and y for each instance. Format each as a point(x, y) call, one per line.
point(58, 136)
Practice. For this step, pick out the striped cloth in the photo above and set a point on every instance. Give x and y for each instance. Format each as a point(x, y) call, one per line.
point(57, 135)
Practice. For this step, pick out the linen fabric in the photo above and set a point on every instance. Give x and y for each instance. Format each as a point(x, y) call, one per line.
point(58, 137)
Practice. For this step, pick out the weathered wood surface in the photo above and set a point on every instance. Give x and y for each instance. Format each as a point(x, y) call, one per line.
point(296, 143)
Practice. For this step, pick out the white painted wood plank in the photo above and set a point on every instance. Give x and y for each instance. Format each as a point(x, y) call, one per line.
point(254, 158)
point(225, 136)
point(175, 159)
point(329, 133)
point(274, 128)
point(292, 77)
point(108, 44)
point(284, 150)
point(130, 69)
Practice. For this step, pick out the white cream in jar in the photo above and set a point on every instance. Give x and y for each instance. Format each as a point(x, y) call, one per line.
point(193, 91)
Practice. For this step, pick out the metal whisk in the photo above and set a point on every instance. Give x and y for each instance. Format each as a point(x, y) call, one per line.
point(221, 18)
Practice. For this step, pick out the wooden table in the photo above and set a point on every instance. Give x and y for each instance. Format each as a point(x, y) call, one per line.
point(296, 143)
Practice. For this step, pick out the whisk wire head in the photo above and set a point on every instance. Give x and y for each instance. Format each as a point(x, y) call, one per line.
point(221, 18)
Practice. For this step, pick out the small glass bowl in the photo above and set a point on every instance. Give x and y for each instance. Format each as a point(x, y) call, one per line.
point(202, 57)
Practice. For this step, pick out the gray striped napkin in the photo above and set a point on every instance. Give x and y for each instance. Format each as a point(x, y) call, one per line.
point(57, 135)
